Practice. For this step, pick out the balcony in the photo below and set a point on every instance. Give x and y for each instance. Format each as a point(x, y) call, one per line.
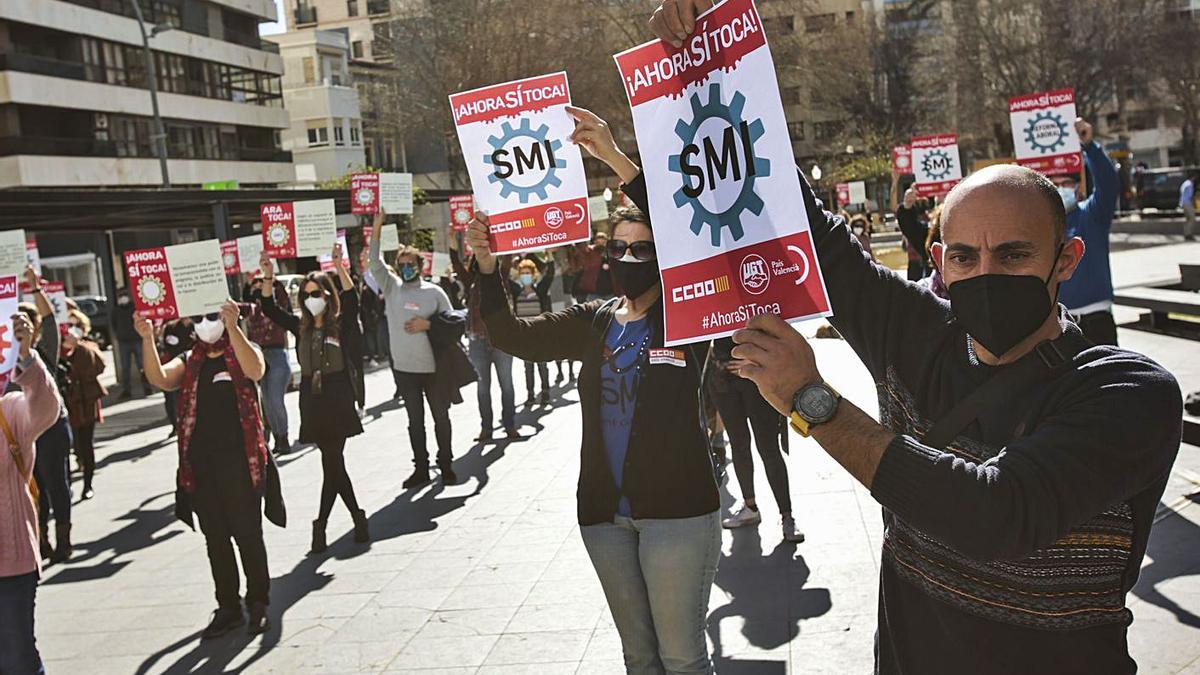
point(304, 15)
point(90, 147)
point(41, 65)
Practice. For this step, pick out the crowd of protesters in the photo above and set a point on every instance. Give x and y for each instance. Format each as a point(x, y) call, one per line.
point(1006, 504)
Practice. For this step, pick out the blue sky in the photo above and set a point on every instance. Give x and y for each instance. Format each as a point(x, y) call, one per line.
point(273, 28)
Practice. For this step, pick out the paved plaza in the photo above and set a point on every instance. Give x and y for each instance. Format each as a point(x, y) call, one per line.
point(490, 576)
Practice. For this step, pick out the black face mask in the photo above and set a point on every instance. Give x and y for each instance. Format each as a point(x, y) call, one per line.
point(634, 278)
point(1000, 310)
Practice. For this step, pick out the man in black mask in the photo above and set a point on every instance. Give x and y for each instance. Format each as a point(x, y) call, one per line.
point(1019, 465)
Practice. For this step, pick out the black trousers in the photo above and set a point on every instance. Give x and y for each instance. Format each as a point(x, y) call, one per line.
point(85, 451)
point(52, 470)
point(415, 389)
point(335, 481)
point(543, 370)
point(740, 405)
point(1099, 327)
point(228, 516)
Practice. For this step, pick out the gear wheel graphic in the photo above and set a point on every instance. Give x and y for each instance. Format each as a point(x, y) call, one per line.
point(928, 166)
point(507, 135)
point(1039, 119)
point(747, 199)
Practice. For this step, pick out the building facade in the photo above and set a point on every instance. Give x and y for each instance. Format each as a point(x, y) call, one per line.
point(326, 135)
point(75, 109)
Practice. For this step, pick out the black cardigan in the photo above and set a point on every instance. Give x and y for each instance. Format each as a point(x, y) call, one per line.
point(668, 472)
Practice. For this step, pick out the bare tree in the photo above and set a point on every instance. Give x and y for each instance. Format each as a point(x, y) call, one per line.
point(1177, 63)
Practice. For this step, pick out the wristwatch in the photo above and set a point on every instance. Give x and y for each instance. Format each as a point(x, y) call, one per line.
point(813, 404)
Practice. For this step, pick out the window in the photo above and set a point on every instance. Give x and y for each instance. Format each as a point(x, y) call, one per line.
point(819, 22)
point(355, 134)
point(351, 7)
point(796, 130)
point(790, 95)
point(339, 132)
point(318, 134)
point(779, 25)
point(356, 49)
point(114, 64)
point(824, 131)
point(310, 70)
point(93, 63)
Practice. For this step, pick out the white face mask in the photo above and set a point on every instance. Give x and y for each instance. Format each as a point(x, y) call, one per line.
point(209, 331)
point(315, 305)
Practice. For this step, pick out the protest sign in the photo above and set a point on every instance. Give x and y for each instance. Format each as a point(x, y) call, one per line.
point(1043, 129)
point(13, 253)
point(857, 191)
point(32, 256)
point(249, 251)
point(326, 259)
point(391, 191)
point(9, 347)
point(936, 165)
point(181, 280)
point(730, 226)
point(426, 263)
point(230, 258)
point(56, 293)
point(526, 173)
point(389, 238)
point(599, 208)
point(902, 159)
point(298, 229)
point(843, 194)
point(462, 209)
point(441, 262)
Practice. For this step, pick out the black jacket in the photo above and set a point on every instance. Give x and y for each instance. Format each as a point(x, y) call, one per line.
point(668, 472)
point(453, 369)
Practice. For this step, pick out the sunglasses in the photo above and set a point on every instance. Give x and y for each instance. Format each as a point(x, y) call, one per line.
point(197, 318)
point(641, 250)
point(314, 294)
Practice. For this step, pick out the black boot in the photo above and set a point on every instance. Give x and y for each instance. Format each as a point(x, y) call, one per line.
point(361, 534)
point(448, 475)
point(63, 551)
point(282, 445)
point(259, 623)
point(44, 540)
point(419, 478)
point(224, 620)
point(318, 543)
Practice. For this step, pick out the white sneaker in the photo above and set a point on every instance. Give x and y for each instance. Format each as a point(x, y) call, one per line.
point(741, 518)
point(790, 533)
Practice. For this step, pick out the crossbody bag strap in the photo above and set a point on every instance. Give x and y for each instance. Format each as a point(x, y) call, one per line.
point(15, 450)
point(1003, 387)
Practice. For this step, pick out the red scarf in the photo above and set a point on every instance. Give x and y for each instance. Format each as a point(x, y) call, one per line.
point(248, 412)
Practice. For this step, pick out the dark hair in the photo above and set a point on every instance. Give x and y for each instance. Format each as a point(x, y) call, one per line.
point(333, 305)
point(628, 214)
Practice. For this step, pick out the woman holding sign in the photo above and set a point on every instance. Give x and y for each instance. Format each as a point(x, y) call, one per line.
point(327, 414)
point(222, 456)
point(648, 508)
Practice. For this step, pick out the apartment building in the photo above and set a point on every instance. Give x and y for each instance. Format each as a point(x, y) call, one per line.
point(75, 107)
point(326, 135)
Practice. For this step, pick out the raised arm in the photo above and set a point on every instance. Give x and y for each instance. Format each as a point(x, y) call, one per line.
point(379, 269)
point(248, 355)
point(283, 318)
point(465, 274)
point(38, 405)
point(1102, 204)
point(167, 377)
point(39, 294)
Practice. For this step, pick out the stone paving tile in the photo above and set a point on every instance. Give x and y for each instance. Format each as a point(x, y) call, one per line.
point(457, 622)
point(546, 647)
point(446, 652)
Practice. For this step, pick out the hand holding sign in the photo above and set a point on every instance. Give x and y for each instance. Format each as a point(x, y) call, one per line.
point(477, 239)
point(230, 313)
point(266, 265)
point(142, 326)
point(594, 135)
point(22, 332)
point(31, 277)
point(776, 358)
point(1084, 129)
point(674, 20)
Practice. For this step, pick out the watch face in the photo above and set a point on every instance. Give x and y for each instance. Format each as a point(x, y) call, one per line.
point(816, 403)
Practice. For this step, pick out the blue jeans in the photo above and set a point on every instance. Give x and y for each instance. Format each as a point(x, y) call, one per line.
point(53, 473)
point(657, 575)
point(483, 357)
point(18, 646)
point(130, 351)
point(274, 386)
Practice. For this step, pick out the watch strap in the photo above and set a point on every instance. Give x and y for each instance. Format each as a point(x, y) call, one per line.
point(800, 425)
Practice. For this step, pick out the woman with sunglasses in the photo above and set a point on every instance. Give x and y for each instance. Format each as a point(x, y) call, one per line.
point(84, 392)
point(648, 508)
point(327, 414)
point(222, 456)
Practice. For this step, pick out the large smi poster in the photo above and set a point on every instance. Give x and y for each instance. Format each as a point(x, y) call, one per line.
point(525, 171)
point(730, 227)
point(936, 164)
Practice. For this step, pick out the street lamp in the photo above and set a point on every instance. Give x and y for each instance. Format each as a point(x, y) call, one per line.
point(159, 137)
point(815, 172)
point(608, 194)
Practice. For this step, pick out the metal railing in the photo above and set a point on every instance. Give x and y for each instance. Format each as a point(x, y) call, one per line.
point(42, 65)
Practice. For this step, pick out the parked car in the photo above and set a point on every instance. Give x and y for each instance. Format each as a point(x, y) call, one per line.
point(1159, 188)
point(97, 310)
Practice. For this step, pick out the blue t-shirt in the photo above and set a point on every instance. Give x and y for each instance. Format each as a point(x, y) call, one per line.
point(625, 349)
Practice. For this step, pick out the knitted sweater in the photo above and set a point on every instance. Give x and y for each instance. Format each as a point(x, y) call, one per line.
point(29, 412)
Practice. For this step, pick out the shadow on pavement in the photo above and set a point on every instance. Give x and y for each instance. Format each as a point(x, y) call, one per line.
point(412, 511)
point(141, 530)
point(1172, 551)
